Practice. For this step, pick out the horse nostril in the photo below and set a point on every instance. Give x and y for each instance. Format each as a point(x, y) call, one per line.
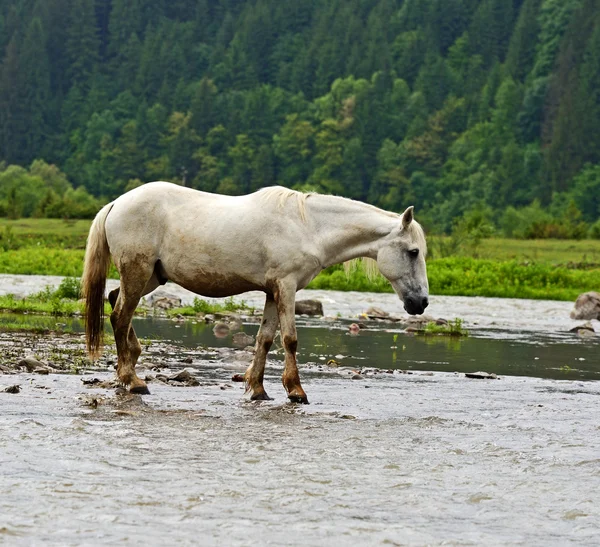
point(425, 302)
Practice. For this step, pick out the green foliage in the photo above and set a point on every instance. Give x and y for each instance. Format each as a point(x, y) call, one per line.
point(203, 306)
point(533, 222)
point(480, 277)
point(453, 328)
point(445, 104)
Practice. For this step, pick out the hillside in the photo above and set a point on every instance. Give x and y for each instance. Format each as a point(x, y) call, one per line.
point(458, 106)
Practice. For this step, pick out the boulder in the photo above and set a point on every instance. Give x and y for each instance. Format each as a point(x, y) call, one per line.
point(587, 306)
point(31, 364)
point(376, 313)
point(241, 339)
point(309, 307)
point(165, 302)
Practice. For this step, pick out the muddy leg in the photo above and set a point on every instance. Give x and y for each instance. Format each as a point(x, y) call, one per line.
point(124, 301)
point(266, 333)
point(285, 298)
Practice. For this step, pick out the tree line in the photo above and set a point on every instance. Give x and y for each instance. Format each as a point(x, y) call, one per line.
point(468, 109)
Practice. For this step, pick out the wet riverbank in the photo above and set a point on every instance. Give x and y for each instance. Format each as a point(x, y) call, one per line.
point(480, 312)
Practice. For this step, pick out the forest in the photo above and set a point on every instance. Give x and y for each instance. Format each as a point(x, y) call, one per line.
point(483, 113)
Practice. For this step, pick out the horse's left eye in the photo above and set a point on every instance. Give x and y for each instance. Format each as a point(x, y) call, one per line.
point(414, 253)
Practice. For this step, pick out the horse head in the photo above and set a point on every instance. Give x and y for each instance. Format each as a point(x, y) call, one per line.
point(401, 260)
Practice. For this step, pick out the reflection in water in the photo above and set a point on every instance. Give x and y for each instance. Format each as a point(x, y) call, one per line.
point(531, 354)
point(382, 345)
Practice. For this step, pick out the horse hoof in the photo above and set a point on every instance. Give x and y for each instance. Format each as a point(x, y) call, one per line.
point(140, 390)
point(294, 398)
point(261, 396)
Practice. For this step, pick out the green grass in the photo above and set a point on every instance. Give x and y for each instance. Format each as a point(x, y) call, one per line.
point(45, 261)
point(453, 328)
point(546, 251)
point(480, 277)
point(44, 232)
point(202, 306)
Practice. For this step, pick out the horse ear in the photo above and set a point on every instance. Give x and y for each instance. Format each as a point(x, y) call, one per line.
point(407, 217)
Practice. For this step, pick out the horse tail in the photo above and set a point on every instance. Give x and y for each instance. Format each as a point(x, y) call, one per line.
point(93, 282)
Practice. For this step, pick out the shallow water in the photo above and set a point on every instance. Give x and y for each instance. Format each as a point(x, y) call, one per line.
point(480, 312)
point(562, 356)
point(389, 460)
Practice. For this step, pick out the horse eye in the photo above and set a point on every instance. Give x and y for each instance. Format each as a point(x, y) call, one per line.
point(414, 253)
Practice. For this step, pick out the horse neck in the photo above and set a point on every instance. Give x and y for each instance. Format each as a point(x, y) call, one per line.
point(348, 229)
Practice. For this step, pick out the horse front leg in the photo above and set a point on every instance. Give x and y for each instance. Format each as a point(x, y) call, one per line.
point(285, 297)
point(264, 339)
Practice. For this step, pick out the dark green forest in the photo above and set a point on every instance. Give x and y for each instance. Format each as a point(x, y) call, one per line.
point(482, 110)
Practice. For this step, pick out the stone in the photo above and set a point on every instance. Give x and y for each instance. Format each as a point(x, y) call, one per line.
point(586, 326)
point(184, 377)
point(376, 313)
point(31, 364)
point(481, 375)
point(241, 339)
point(165, 302)
point(221, 330)
point(13, 389)
point(309, 307)
point(587, 306)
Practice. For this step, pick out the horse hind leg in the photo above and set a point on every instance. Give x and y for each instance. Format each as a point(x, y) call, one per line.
point(124, 301)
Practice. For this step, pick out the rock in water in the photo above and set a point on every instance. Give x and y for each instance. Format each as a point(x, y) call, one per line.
point(587, 306)
point(241, 339)
point(376, 313)
point(165, 302)
point(481, 375)
point(309, 307)
point(31, 364)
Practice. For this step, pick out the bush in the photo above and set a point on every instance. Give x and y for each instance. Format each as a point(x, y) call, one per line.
point(70, 287)
point(594, 231)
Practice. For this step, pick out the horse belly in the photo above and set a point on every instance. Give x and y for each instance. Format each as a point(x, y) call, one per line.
point(216, 284)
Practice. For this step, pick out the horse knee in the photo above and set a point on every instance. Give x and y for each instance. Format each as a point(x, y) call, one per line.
point(265, 342)
point(290, 343)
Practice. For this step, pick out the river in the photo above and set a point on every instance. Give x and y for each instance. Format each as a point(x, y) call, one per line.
point(419, 455)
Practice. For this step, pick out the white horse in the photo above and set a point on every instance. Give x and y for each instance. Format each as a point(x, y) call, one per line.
point(275, 240)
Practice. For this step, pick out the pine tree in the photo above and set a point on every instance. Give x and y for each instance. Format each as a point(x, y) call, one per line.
point(36, 90)
point(521, 48)
point(82, 44)
point(12, 116)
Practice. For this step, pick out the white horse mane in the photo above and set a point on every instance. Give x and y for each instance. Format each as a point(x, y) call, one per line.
point(280, 194)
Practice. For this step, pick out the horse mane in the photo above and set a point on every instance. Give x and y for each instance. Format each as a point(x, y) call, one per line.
point(281, 195)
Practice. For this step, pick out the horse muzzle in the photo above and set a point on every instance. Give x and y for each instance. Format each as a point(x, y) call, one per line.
point(415, 305)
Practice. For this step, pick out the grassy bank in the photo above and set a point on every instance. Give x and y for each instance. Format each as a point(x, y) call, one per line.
point(464, 276)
